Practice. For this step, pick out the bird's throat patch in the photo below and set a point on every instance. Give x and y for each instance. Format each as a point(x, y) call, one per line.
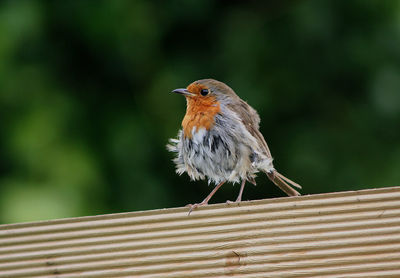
point(200, 113)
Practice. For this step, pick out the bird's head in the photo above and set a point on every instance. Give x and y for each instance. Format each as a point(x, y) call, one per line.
point(205, 99)
point(207, 92)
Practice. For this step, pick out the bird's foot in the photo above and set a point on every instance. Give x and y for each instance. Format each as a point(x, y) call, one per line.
point(229, 202)
point(195, 206)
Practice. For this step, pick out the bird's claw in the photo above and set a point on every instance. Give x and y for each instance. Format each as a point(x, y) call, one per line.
point(229, 202)
point(195, 206)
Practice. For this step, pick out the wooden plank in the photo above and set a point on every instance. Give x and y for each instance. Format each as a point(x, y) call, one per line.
point(345, 234)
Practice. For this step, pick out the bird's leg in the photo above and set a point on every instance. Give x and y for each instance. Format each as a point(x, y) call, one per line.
point(205, 201)
point(239, 197)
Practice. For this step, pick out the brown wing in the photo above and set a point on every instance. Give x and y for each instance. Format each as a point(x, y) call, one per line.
point(251, 120)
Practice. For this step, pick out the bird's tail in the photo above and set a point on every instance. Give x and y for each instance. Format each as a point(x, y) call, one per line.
point(283, 183)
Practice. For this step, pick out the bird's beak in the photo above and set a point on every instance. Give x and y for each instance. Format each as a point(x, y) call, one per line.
point(184, 92)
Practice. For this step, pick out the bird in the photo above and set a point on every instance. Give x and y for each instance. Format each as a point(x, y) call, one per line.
point(220, 140)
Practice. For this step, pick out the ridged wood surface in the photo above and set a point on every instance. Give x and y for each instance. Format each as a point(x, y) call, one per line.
point(347, 234)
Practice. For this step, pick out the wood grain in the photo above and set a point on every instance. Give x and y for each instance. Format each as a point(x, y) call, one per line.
point(346, 234)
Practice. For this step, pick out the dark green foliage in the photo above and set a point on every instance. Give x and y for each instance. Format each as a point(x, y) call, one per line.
point(85, 108)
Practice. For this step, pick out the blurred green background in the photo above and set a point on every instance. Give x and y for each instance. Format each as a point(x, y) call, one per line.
point(85, 108)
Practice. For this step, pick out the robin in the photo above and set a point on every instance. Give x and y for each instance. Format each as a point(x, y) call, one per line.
point(220, 140)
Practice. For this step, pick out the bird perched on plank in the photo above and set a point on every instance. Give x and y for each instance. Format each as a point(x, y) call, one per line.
point(220, 140)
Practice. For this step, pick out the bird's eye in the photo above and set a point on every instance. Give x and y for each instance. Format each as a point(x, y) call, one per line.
point(204, 92)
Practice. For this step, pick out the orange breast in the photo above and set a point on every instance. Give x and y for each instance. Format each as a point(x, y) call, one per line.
point(200, 113)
